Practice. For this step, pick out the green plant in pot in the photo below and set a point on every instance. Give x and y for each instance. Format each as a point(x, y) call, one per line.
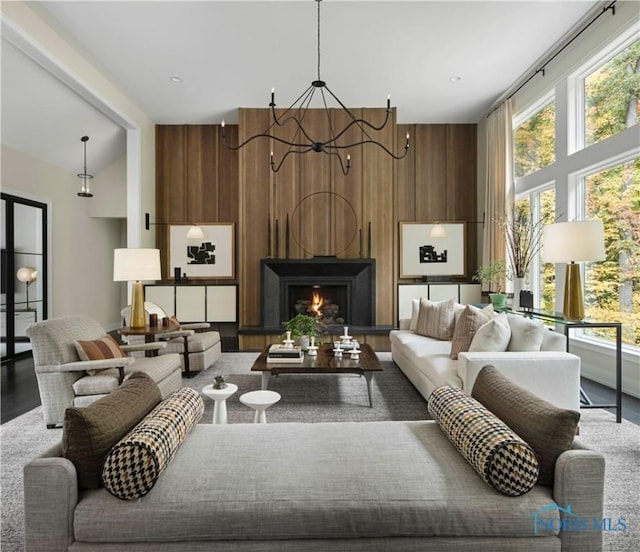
point(302, 326)
point(494, 275)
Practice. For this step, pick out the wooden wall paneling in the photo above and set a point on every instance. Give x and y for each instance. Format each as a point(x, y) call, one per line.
point(431, 172)
point(378, 196)
point(227, 180)
point(170, 186)
point(405, 195)
point(461, 185)
point(350, 188)
point(284, 192)
point(254, 212)
point(314, 217)
point(202, 173)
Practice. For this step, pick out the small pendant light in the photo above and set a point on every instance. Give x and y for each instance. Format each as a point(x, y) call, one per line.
point(85, 179)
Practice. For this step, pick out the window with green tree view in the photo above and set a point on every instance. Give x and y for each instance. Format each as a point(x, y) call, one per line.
point(593, 174)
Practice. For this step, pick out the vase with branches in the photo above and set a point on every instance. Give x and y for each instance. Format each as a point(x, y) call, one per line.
point(523, 237)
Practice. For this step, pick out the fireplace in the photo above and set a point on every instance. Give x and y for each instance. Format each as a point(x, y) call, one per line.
point(342, 291)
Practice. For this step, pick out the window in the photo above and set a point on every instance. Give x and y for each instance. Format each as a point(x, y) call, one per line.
point(612, 287)
point(534, 141)
point(541, 277)
point(611, 95)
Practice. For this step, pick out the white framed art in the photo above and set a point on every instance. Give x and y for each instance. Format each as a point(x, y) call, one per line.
point(422, 255)
point(211, 257)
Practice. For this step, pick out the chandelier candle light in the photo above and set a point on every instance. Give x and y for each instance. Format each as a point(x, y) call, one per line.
point(302, 142)
point(135, 265)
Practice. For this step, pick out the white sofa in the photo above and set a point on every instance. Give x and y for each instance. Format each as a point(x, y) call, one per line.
point(551, 373)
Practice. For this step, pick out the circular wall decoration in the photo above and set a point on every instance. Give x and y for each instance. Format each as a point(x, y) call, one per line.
point(314, 220)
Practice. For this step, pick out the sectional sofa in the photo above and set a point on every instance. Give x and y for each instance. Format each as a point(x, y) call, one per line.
point(400, 486)
point(539, 364)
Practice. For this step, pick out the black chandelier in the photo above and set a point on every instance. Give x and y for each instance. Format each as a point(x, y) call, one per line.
point(302, 142)
point(85, 177)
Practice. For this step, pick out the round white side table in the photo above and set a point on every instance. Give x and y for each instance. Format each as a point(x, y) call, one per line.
point(260, 401)
point(220, 397)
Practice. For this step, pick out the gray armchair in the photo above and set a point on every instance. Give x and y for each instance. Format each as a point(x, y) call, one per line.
point(198, 350)
point(64, 380)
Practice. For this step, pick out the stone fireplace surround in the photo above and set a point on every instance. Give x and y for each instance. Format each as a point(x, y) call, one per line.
point(357, 275)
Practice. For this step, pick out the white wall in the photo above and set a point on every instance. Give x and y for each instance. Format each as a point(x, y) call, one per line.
point(70, 65)
point(81, 247)
point(109, 187)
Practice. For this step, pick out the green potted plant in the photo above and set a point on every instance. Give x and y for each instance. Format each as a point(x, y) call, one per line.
point(302, 326)
point(494, 274)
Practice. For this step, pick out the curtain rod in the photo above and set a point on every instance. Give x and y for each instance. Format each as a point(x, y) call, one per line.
point(611, 6)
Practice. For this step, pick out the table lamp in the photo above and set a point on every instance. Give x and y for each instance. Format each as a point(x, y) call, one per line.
point(134, 265)
point(28, 275)
point(568, 242)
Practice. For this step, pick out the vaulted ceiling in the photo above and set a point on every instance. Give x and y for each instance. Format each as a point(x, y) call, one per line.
point(446, 61)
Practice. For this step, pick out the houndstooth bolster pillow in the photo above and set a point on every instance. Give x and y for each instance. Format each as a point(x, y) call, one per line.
point(134, 464)
point(501, 458)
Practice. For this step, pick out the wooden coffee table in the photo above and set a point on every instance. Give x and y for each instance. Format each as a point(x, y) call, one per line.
point(323, 363)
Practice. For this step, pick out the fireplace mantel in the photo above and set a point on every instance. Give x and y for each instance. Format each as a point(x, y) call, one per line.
point(278, 274)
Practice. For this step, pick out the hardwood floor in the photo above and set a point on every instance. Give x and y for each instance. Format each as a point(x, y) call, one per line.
point(19, 392)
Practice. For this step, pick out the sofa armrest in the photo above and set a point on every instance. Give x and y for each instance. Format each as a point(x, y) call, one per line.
point(553, 376)
point(85, 365)
point(579, 484)
point(195, 326)
point(155, 346)
point(50, 498)
point(178, 333)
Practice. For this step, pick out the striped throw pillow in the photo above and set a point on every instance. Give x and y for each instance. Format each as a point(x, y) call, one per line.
point(436, 318)
point(98, 349)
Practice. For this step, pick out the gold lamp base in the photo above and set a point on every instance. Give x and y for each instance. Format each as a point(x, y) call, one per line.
point(573, 308)
point(138, 316)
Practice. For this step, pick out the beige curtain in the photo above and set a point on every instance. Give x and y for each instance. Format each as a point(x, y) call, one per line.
point(500, 191)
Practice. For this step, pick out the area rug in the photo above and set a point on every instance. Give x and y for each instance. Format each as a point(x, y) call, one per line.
point(309, 398)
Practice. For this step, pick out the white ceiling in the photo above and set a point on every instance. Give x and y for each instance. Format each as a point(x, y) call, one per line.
point(230, 54)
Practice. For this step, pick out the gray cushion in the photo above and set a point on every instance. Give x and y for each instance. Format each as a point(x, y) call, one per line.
point(548, 429)
point(321, 480)
point(88, 433)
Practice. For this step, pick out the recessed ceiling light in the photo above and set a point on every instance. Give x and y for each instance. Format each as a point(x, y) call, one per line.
point(455, 78)
point(176, 79)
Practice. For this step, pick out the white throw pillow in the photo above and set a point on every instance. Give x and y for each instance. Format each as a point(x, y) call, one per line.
point(493, 336)
point(526, 334)
point(415, 309)
point(470, 320)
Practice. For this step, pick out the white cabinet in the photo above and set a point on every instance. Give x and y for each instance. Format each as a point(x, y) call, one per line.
point(194, 303)
point(462, 293)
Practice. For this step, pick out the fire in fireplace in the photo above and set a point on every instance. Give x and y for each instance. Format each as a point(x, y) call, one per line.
point(344, 290)
point(328, 303)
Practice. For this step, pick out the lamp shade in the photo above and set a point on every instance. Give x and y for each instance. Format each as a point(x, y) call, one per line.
point(195, 233)
point(565, 242)
point(27, 274)
point(438, 231)
point(136, 264)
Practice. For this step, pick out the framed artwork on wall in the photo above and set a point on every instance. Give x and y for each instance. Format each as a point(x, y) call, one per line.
point(211, 257)
point(423, 255)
